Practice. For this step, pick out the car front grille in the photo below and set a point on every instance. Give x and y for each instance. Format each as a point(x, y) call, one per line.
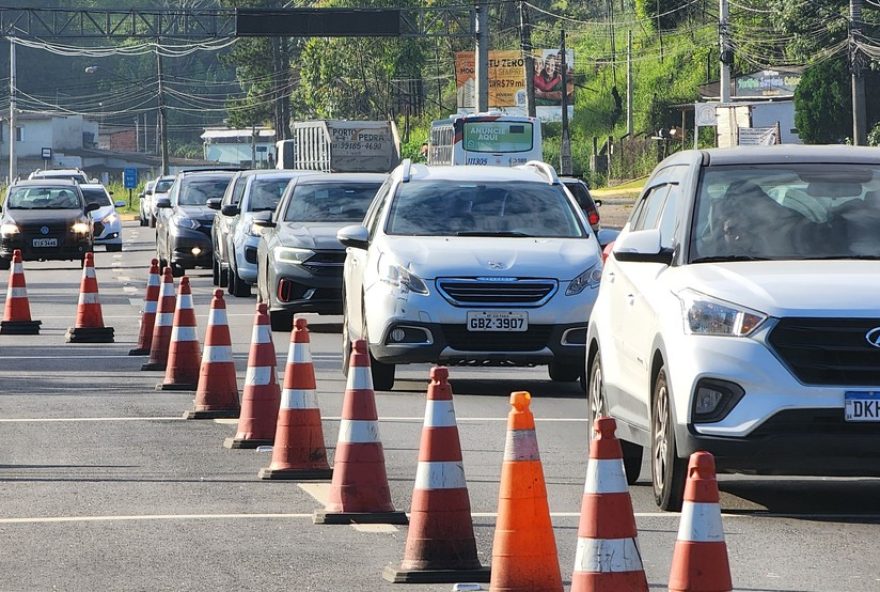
point(33, 228)
point(326, 263)
point(98, 228)
point(828, 351)
point(533, 339)
point(497, 291)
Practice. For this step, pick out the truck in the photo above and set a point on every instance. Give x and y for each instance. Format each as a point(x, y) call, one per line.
point(340, 146)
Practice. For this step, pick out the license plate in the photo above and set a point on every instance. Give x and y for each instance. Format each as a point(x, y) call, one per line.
point(496, 320)
point(45, 242)
point(861, 405)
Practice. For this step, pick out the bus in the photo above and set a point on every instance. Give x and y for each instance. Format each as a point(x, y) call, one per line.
point(491, 139)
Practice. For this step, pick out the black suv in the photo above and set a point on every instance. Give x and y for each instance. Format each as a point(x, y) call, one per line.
point(47, 219)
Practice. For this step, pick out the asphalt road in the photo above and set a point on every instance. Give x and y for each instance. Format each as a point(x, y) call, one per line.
point(105, 487)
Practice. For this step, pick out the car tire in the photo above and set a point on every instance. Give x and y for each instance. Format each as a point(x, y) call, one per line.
point(597, 407)
point(114, 248)
point(215, 275)
point(238, 287)
point(152, 222)
point(383, 374)
point(281, 320)
point(564, 372)
point(667, 470)
point(177, 270)
point(5, 264)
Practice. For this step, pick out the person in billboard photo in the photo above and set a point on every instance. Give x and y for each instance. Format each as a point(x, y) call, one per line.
point(548, 80)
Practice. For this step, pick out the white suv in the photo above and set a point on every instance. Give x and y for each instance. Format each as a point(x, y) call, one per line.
point(468, 264)
point(738, 314)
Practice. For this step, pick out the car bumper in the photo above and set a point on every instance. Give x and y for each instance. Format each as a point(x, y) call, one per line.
point(68, 249)
point(246, 259)
point(295, 289)
point(111, 234)
point(190, 248)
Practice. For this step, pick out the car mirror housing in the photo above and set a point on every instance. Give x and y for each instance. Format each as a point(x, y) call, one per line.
point(163, 202)
point(213, 203)
point(119, 203)
point(91, 207)
point(355, 236)
point(642, 246)
point(263, 220)
point(229, 210)
point(606, 236)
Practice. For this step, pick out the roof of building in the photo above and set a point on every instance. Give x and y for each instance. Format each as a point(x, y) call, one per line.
point(213, 133)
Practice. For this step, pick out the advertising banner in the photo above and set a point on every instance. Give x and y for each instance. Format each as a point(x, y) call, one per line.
point(507, 82)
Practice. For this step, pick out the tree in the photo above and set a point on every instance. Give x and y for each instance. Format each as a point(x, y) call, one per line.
point(672, 12)
point(823, 108)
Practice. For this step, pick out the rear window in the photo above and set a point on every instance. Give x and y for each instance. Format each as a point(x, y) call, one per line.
point(163, 186)
point(581, 196)
point(330, 203)
point(96, 196)
point(196, 192)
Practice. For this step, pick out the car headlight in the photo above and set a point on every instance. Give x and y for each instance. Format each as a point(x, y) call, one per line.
point(400, 277)
point(8, 229)
point(111, 219)
point(185, 222)
point(293, 255)
point(81, 228)
point(588, 279)
point(704, 315)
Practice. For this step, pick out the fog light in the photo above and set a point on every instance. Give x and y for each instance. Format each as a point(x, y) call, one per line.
point(714, 399)
point(196, 251)
point(398, 335)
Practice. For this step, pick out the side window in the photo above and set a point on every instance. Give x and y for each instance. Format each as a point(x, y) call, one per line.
point(649, 210)
point(669, 217)
point(172, 193)
point(227, 195)
point(238, 189)
point(377, 207)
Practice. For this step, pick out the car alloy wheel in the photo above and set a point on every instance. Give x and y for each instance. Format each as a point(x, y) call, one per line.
point(667, 470)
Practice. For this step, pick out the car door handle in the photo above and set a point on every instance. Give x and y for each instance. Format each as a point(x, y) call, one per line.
point(609, 276)
point(630, 299)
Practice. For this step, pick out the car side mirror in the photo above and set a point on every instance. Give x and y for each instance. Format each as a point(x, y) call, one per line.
point(229, 210)
point(263, 220)
point(163, 202)
point(91, 207)
point(642, 246)
point(119, 203)
point(355, 236)
point(598, 202)
point(213, 203)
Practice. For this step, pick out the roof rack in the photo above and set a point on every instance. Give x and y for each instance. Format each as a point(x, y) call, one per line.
point(544, 169)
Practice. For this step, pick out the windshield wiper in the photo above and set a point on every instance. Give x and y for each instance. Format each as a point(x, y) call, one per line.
point(491, 233)
point(725, 258)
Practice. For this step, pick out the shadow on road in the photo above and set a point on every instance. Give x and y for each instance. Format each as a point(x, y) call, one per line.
point(849, 500)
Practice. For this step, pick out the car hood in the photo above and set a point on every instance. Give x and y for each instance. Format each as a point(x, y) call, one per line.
point(36, 216)
point(314, 236)
point(200, 213)
point(432, 257)
point(838, 288)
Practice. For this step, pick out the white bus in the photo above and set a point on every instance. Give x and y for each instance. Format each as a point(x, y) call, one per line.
point(491, 139)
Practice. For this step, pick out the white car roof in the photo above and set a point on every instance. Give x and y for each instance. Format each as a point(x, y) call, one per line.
point(421, 172)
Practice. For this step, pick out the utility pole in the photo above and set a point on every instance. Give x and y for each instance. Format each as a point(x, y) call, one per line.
point(162, 123)
point(525, 31)
point(858, 79)
point(13, 163)
point(565, 149)
point(726, 51)
point(481, 64)
point(613, 47)
point(629, 84)
point(659, 32)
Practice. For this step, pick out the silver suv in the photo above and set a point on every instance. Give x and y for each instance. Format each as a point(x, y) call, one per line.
point(471, 264)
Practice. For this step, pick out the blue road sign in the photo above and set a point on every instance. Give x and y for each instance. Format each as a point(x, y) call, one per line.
point(130, 178)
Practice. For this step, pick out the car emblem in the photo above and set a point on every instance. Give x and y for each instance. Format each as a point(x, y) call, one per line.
point(873, 337)
point(495, 265)
point(44, 230)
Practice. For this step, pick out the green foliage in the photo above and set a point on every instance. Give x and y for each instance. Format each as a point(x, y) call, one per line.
point(823, 112)
point(672, 13)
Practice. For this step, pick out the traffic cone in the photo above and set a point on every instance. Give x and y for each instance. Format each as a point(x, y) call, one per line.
point(359, 492)
point(699, 561)
point(262, 396)
point(217, 391)
point(440, 543)
point(89, 326)
point(524, 549)
point(299, 451)
point(184, 357)
point(608, 557)
point(162, 328)
point(17, 316)
point(148, 314)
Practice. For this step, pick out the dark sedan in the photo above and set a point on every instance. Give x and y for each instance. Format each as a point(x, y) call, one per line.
point(299, 257)
point(48, 220)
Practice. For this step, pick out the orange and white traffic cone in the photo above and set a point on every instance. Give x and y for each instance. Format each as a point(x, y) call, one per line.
point(699, 561)
point(89, 326)
point(217, 391)
point(17, 315)
point(359, 492)
point(184, 357)
point(608, 558)
point(299, 451)
point(162, 328)
point(440, 542)
point(262, 396)
point(148, 314)
point(524, 555)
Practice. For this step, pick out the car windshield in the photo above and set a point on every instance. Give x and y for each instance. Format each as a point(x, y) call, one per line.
point(325, 202)
point(163, 186)
point(96, 196)
point(42, 198)
point(791, 211)
point(265, 193)
point(443, 208)
point(197, 192)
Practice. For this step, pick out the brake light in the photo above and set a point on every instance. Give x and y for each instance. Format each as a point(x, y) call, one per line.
point(593, 217)
point(607, 251)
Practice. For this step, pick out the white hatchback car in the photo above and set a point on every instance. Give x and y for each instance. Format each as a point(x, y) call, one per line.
point(471, 265)
point(738, 314)
point(106, 221)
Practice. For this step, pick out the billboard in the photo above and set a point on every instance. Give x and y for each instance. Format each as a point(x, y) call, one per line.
point(507, 82)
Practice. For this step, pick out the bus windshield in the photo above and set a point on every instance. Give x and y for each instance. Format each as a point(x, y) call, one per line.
point(497, 136)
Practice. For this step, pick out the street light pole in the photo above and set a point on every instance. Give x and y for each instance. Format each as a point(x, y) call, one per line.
point(13, 162)
point(163, 124)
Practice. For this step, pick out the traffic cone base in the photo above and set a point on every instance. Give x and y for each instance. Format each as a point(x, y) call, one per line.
point(138, 352)
point(296, 474)
point(89, 335)
point(153, 366)
point(180, 386)
point(436, 576)
point(246, 443)
point(211, 414)
point(393, 517)
point(20, 327)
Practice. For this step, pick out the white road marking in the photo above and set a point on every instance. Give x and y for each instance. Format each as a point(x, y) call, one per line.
point(379, 528)
point(86, 419)
point(136, 301)
point(129, 289)
point(319, 491)
point(124, 278)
